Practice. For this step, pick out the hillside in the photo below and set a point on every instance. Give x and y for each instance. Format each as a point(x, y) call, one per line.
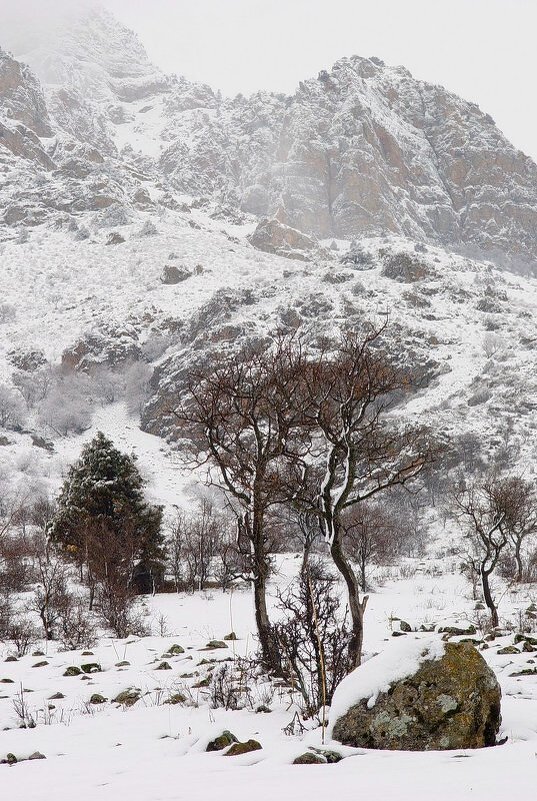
point(148, 224)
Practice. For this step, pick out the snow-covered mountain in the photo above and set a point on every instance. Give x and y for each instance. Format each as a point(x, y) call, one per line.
point(145, 222)
point(362, 149)
point(134, 226)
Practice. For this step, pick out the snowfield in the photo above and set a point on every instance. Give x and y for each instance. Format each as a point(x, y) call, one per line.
point(155, 751)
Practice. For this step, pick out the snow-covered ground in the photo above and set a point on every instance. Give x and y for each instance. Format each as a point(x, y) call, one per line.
point(154, 751)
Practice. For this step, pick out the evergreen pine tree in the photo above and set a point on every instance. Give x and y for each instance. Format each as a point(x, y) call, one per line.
point(102, 517)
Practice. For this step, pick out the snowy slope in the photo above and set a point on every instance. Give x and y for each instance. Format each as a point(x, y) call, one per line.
point(154, 750)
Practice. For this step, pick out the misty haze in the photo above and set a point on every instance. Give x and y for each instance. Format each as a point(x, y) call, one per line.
point(268, 393)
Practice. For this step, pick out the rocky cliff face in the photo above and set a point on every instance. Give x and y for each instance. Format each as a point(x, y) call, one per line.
point(22, 96)
point(364, 149)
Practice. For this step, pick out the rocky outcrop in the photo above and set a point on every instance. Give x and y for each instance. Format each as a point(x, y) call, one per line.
point(23, 114)
point(364, 149)
point(22, 142)
point(272, 236)
point(22, 97)
point(447, 703)
point(113, 346)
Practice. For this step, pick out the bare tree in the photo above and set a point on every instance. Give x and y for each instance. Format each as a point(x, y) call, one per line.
point(244, 417)
point(175, 546)
point(12, 408)
point(117, 607)
point(313, 636)
point(520, 507)
point(370, 535)
point(360, 451)
point(13, 510)
point(307, 524)
point(15, 567)
point(231, 565)
point(483, 510)
point(203, 546)
point(34, 386)
point(50, 594)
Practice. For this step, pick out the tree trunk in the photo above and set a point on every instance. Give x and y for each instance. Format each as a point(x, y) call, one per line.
point(488, 598)
point(363, 581)
point(518, 559)
point(356, 606)
point(306, 557)
point(269, 651)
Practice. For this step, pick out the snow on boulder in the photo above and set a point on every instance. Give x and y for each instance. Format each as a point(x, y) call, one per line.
point(273, 236)
point(420, 694)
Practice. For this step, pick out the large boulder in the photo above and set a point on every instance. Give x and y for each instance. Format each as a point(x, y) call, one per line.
point(273, 236)
point(421, 694)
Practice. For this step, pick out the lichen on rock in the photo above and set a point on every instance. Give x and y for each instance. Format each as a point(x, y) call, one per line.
point(449, 702)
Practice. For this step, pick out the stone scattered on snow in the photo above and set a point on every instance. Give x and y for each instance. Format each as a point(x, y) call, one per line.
point(223, 740)
point(128, 697)
point(171, 274)
point(213, 645)
point(457, 631)
point(72, 670)
point(97, 698)
point(272, 236)
point(91, 667)
point(176, 698)
point(243, 748)
point(309, 758)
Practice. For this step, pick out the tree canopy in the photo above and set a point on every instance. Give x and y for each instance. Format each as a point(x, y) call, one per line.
point(102, 512)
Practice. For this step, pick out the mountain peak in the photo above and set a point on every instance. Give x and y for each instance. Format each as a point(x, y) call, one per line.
point(361, 149)
point(87, 49)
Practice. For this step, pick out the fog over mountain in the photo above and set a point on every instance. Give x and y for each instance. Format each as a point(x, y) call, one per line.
point(361, 149)
point(152, 226)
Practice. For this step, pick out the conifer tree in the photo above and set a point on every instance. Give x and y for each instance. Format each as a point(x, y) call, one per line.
point(103, 519)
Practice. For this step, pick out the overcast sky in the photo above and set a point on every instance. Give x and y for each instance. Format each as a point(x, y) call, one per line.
point(484, 50)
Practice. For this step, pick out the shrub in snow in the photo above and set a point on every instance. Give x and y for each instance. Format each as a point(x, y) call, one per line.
point(313, 636)
point(404, 267)
point(65, 414)
point(68, 404)
point(358, 258)
point(148, 229)
point(7, 313)
point(12, 408)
